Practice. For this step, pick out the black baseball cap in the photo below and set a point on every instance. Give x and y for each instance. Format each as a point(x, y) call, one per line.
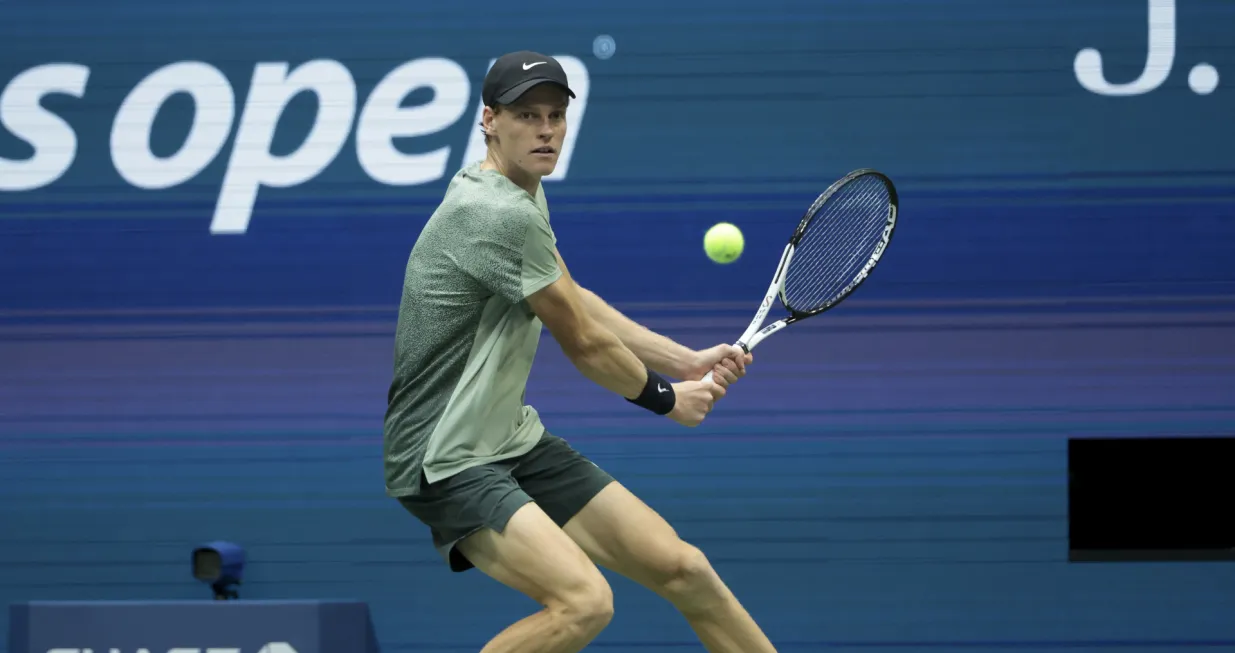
point(514, 73)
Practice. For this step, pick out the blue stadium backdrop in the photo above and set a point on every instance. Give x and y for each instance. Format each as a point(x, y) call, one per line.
point(207, 207)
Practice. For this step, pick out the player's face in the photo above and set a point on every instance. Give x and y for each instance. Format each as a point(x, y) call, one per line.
point(530, 131)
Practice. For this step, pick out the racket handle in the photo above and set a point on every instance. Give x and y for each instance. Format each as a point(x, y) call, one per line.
point(708, 376)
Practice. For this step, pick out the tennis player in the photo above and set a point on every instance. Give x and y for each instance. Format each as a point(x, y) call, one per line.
point(470, 460)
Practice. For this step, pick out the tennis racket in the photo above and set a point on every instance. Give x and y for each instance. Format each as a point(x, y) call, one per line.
point(833, 250)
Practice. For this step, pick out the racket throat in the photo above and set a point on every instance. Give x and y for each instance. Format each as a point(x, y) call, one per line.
point(775, 289)
point(765, 332)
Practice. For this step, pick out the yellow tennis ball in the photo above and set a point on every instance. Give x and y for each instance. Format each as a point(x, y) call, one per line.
point(723, 242)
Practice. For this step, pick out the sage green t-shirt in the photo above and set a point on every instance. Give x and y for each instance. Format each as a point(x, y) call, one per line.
point(465, 337)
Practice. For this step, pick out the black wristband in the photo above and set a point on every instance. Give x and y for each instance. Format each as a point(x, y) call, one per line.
point(657, 395)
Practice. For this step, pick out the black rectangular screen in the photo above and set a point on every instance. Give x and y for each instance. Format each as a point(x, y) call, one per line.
point(1143, 499)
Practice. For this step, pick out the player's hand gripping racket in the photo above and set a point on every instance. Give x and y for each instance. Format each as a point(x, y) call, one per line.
point(833, 250)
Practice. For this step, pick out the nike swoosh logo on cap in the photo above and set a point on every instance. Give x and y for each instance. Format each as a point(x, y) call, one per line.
point(529, 66)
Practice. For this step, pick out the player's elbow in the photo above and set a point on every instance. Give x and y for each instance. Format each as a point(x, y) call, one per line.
point(581, 338)
point(587, 345)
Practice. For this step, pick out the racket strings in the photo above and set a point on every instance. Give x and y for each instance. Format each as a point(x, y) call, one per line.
point(837, 243)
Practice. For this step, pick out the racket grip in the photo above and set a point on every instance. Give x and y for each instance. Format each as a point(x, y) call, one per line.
point(707, 377)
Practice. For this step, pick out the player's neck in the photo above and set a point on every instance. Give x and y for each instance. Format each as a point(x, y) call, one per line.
point(521, 178)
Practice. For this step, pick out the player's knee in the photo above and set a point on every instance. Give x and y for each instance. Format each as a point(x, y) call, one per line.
point(587, 607)
point(690, 580)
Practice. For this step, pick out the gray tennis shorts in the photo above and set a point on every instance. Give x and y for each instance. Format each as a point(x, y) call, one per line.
point(559, 479)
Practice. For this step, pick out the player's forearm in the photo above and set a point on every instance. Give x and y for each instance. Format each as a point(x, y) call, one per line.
point(659, 353)
point(600, 356)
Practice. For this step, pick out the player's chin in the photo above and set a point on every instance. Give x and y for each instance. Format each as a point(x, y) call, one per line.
point(542, 164)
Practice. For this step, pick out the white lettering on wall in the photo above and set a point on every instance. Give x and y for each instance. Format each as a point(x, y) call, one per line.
point(251, 165)
point(53, 139)
point(214, 109)
point(1159, 59)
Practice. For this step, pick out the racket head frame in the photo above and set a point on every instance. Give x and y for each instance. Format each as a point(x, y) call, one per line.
point(756, 332)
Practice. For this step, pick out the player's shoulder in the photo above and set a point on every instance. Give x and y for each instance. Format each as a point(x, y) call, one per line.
point(486, 196)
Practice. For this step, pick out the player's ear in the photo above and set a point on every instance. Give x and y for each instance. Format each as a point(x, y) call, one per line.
point(487, 117)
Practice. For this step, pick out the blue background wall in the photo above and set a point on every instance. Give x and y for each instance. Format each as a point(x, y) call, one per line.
point(888, 477)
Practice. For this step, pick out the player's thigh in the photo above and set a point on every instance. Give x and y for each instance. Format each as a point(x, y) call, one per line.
point(620, 532)
point(614, 527)
point(534, 556)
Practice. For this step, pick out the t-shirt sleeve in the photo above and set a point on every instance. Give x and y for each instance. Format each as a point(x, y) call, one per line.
point(540, 266)
point(514, 256)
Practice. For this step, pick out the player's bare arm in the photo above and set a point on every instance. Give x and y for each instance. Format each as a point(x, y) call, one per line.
point(656, 351)
point(602, 357)
point(595, 350)
point(660, 353)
